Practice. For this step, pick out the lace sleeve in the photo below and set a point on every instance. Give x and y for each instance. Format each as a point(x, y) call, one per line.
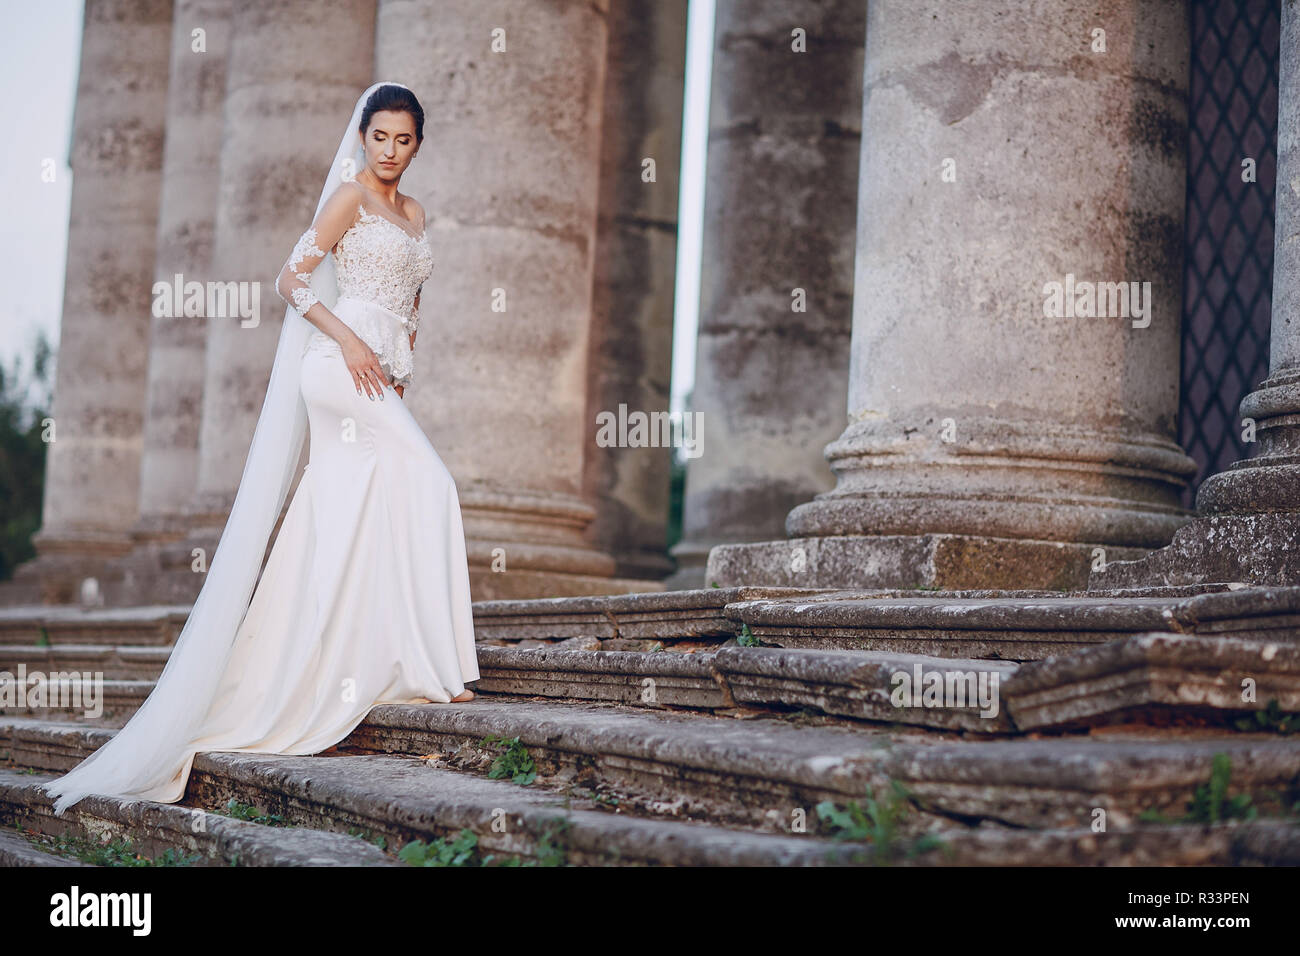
point(294, 282)
point(335, 218)
point(413, 323)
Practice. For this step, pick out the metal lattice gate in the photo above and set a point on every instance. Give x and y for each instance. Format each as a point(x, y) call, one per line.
point(1228, 272)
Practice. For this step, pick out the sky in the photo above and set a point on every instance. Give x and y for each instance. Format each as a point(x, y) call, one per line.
point(40, 51)
point(690, 207)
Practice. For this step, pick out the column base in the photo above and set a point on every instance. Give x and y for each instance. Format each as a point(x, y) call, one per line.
point(162, 528)
point(691, 558)
point(927, 561)
point(1252, 486)
point(1216, 549)
point(64, 560)
point(488, 585)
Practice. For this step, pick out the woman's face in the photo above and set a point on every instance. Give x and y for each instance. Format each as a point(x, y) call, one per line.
point(390, 144)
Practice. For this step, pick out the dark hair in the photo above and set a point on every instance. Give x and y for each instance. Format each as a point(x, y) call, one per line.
point(398, 99)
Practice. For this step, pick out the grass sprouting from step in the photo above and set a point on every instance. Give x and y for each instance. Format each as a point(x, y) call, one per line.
point(1271, 719)
point(461, 850)
point(118, 852)
point(1210, 802)
point(877, 822)
point(552, 843)
point(378, 840)
point(513, 761)
point(551, 849)
point(246, 811)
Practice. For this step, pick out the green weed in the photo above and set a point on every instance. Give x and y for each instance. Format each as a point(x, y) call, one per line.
point(1210, 802)
point(118, 852)
point(246, 811)
point(1271, 718)
point(514, 761)
point(876, 822)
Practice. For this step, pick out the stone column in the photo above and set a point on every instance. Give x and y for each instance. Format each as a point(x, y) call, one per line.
point(93, 470)
point(635, 276)
point(992, 440)
point(296, 69)
point(1248, 524)
point(509, 177)
point(771, 371)
point(186, 222)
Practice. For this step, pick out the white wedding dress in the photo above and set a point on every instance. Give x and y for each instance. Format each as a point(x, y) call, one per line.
point(365, 596)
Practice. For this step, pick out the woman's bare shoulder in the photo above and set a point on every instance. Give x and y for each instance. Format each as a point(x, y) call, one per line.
point(410, 205)
point(346, 198)
point(340, 212)
point(350, 188)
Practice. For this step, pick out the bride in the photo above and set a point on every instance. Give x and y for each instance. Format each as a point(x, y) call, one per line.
point(365, 596)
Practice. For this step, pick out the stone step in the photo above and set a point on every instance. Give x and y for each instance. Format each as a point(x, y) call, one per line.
point(729, 771)
point(1157, 679)
point(635, 621)
point(17, 850)
point(65, 624)
point(400, 798)
point(1018, 626)
point(1008, 625)
point(853, 684)
point(759, 772)
point(43, 744)
point(1258, 843)
point(1154, 678)
point(122, 662)
point(154, 828)
point(107, 703)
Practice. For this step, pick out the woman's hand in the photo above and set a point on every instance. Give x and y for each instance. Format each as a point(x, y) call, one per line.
point(364, 366)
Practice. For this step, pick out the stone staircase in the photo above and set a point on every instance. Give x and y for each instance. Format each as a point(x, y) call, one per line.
point(742, 726)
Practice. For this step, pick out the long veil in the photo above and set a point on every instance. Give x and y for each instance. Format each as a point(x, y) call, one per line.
point(150, 750)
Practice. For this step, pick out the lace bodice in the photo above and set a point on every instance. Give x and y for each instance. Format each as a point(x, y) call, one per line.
point(378, 263)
